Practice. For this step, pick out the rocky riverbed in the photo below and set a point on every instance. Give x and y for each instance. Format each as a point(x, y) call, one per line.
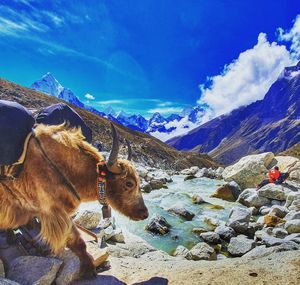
point(206, 226)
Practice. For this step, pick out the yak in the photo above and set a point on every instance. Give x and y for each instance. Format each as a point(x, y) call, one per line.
point(58, 162)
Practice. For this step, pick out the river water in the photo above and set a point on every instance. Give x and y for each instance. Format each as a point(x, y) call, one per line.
point(179, 193)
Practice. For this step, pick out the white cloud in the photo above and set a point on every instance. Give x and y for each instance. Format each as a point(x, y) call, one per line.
point(293, 36)
point(110, 102)
point(165, 110)
point(181, 127)
point(89, 96)
point(247, 78)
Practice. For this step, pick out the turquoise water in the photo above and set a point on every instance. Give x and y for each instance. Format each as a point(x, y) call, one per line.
point(179, 193)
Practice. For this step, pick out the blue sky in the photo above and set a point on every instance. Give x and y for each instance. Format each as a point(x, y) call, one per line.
point(147, 56)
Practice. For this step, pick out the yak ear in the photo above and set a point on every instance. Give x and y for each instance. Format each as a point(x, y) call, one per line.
point(112, 163)
point(129, 157)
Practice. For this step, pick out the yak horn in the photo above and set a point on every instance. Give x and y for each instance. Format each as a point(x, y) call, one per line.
point(129, 150)
point(112, 163)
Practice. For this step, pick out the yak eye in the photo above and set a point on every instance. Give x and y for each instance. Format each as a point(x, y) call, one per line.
point(129, 184)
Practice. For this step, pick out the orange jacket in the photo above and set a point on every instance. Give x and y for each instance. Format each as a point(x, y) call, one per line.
point(273, 175)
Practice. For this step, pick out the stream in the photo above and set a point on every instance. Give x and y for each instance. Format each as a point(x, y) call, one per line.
point(179, 193)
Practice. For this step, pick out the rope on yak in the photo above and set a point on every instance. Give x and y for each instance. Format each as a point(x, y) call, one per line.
point(56, 169)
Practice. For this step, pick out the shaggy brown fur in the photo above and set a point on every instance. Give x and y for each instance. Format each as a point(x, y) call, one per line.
point(39, 191)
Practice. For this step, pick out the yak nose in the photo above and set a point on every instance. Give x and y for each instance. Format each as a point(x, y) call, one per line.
point(144, 214)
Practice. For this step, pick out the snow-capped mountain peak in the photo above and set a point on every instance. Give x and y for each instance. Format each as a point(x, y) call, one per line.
point(48, 84)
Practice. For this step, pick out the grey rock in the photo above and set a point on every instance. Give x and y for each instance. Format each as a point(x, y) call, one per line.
point(146, 187)
point(158, 225)
point(292, 215)
point(203, 251)
point(4, 281)
point(105, 223)
point(270, 240)
point(225, 232)
point(182, 212)
point(182, 251)
point(276, 202)
point(293, 201)
point(254, 211)
point(196, 199)
point(157, 184)
point(43, 272)
point(262, 251)
point(240, 245)
point(88, 219)
point(199, 230)
point(293, 226)
point(70, 270)
point(264, 210)
point(249, 170)
point(239, 219)
point(250, 198)
point(279, 211)
point(210, 237)
point(190, 171)
point(274, 192)
point(293, 237)
point(117, 236)
point(189, 177)
point(279, 232)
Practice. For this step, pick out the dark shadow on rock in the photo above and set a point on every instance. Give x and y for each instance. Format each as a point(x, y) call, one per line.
point(290, 186)
point(100, 280)
point(154, 281)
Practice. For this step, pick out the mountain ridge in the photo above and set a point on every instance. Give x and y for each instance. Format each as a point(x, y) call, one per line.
point(270, 124)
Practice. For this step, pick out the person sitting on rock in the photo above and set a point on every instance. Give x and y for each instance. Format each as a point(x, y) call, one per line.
point(275, 176)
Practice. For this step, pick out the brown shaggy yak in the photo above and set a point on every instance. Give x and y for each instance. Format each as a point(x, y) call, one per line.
point(40, 191)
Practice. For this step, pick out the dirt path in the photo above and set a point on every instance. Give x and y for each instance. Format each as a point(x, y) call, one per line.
point(157, 269)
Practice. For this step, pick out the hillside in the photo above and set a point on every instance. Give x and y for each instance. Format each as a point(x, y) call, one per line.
point(145, 148)
point(271, 124)
point(293, 151)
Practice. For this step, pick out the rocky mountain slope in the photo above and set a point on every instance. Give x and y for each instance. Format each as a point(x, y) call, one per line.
point(292, 151)
point(271, 124)
point(146, 149)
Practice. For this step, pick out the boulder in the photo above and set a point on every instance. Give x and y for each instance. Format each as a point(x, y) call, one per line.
point(225, 233)
point(249, 170)
point(196, 199)
point(274, 192)
point(4, 281)
point(270, 240)
point(213, 222)
point(182, 212)
point(239, 219)
point(199, 230)
point(157, 184)
point(292, 215)
point(284, 162)
point(28, 270)
point(182, 251)
point(250, 198)
point(295, 237)
point(240, 245)
point(117, 236)
point(105, 223)
point(264, 210)
point(190, 171)
point(229, 192)
point(292, 226)
point(262, 250)
point(146, 187)
point(158, 225)
point(279, 211)
point(88, 219)
point(210, 237)
point(70, 270)
point(141, 170)
point(189, 177)
point(272, 220)
point(202, 251)
point(293, 201)
point(279, 233)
